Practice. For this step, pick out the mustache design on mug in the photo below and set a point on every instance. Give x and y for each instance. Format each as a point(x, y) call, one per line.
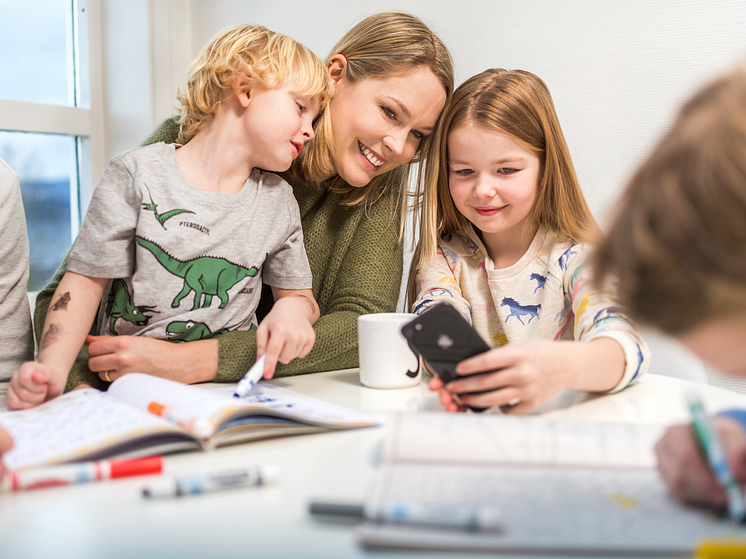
point(385, 355)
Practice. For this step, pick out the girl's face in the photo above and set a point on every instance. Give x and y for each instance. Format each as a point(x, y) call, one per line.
point(493, 181)
point(378, 124)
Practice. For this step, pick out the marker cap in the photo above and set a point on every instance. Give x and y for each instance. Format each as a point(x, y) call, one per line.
point(136, 467)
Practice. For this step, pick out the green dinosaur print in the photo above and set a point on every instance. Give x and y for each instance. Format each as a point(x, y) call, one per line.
point(190, 331)
point(205, 275)
point(119, 304)
point(162, 218)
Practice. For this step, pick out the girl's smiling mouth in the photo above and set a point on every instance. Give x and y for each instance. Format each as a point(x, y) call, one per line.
point(488, 211)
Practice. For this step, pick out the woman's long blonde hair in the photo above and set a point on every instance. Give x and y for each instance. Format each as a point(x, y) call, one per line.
point(380, 46)
point(517, 103)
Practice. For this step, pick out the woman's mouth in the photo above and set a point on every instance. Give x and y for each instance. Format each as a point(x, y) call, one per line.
point(298, 147)
point(369, 155)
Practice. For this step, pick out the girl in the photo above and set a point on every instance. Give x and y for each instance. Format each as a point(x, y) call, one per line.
point(503, 222)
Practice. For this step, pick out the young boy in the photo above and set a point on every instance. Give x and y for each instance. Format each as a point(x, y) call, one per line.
point(180, 238)
point(678, 251)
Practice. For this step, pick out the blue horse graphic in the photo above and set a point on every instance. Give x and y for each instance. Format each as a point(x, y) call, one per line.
point(517, 310)
point(565, 257)
point(540, 281)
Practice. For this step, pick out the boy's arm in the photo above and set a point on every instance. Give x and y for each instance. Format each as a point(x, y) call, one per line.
point(73, 308)
point(287, 331)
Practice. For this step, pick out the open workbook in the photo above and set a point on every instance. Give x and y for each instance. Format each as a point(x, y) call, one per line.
point(89, 424)
point(557, 486)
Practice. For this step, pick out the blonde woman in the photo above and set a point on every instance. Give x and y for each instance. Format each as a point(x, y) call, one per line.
point(502, 233)
point(391, 77)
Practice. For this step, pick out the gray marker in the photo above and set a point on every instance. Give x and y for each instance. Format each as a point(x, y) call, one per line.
point(193, 485)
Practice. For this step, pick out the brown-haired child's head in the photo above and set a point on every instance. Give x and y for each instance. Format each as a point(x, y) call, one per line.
point(677, 247)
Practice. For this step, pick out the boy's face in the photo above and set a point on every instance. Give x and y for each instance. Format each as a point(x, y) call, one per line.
point(278, 123)
point(720, 343)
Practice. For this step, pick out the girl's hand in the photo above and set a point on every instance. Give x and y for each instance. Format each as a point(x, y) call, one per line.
point(33, 384)
point(114, 356)
point(285, 333)
point(685, 470)
point(522, 376)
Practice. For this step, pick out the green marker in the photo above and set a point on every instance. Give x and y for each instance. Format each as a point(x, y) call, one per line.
point(710, 442)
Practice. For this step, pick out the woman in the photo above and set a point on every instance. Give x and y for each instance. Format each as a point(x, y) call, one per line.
point(391, 79)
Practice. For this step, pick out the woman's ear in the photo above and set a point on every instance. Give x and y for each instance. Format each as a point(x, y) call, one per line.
point(242, 88)
point(337, 68)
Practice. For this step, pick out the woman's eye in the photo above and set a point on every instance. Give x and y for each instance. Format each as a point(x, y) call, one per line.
point(506, 170)
point(417, 134)
point(301, 108)
point(388, 112)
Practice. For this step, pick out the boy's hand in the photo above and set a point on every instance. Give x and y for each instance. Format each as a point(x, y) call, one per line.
point(285, 333)
point(33, 384)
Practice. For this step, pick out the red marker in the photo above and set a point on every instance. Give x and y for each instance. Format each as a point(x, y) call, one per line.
point(69, 474)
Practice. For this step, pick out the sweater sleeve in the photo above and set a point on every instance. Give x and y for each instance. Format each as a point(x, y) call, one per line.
point(368, 282)
point(437, 284)
point(596, 316)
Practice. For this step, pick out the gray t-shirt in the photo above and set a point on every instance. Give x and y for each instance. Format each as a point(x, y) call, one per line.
point(191, 263)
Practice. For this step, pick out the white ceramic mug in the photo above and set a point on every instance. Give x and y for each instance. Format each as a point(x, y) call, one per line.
point(385, 358)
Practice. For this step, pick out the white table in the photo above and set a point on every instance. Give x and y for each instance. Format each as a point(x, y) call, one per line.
point(111, 520)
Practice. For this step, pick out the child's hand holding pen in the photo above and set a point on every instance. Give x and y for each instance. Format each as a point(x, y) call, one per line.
point(287, 331)
point(685, 469)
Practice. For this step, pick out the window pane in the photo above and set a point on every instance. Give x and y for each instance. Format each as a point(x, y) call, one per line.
point(36, 51)
point(47, 172)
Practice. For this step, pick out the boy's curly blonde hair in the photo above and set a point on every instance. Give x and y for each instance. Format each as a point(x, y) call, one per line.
point(244, 56)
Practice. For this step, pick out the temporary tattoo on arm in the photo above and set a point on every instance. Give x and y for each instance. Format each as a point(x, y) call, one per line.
point(61, 304)
point(51, 335)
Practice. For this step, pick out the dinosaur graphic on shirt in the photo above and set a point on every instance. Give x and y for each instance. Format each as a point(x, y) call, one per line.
point(207, 276)
point(190, 331)
point(162, 218)
point(120, 304)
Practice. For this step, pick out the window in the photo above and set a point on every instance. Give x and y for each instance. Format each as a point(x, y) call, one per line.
point(51, 129)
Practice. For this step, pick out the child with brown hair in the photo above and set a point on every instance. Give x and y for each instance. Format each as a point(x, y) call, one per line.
point(677, 253)
point(180, 238)
point(503, 222)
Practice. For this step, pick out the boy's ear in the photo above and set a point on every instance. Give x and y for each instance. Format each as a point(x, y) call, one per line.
point(241, 85)
point(337, 68)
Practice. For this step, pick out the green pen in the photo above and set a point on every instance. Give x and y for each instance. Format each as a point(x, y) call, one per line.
point(710, 442)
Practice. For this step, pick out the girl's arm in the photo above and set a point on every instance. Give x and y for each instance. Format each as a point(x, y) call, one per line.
point(436, 284)
point(75, 303)
point(607, 355)
point(287, 331)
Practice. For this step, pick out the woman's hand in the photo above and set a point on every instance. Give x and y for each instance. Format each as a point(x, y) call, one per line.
point(190, 362)
point(685, 469)
point(522, 376)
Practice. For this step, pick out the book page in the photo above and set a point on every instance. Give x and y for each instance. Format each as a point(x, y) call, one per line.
point(141, 390)
point(219, 404)
point(305, 409)
point(571, 511)
point(73, 426)
point(503, 439)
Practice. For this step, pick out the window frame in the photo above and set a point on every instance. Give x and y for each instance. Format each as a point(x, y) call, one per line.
point(86, 121)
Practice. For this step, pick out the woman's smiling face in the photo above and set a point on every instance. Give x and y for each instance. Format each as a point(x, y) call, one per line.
point(378, 124)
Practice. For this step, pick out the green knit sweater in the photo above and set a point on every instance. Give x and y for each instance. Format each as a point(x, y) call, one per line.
point(356, 261)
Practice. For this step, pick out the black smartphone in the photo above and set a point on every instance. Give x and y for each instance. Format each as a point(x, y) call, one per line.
point(444, 338)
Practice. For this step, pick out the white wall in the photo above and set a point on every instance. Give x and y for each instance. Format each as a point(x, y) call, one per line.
point(618, 70)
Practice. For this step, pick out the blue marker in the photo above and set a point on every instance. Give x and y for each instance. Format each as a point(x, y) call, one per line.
point(250, 379)
point(709, 439)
